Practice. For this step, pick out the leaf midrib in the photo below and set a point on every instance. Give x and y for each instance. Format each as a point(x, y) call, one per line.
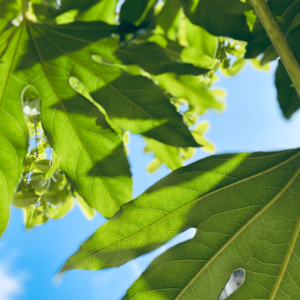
point(113, 88)
point(181, 207)
point(250, 221)
point(66, 113)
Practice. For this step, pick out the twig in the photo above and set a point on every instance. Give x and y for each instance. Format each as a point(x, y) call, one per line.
point(36, 138)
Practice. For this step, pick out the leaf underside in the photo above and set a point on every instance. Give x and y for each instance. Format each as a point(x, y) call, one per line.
point(245, 208)
point(92, 155)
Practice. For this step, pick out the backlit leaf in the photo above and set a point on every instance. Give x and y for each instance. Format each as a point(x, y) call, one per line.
point(245, 208)
point(74, 126)
point(167, 155)
point(190, 88)
point(168, 19)
point(103, 11)
point(25, 200)
point(13, 129)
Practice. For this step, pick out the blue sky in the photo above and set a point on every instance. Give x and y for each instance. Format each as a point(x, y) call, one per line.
point(29, 260)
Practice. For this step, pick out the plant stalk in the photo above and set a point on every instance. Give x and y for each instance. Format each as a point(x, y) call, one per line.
point(281, 46)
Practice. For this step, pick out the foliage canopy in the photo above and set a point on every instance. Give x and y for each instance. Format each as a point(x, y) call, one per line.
point(76, 77)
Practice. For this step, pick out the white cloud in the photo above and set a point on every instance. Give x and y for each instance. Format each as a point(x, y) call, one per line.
point(11, 279)
point(9, 285)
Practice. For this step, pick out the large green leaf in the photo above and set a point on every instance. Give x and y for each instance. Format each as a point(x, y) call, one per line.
point(284, 12)
point(13, 129)
point(219, 17)
point(92, 155)
point(287, 96)
point(245, 208)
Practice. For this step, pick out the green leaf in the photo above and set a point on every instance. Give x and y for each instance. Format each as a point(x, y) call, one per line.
point(38, 182)
point(53, 8)
point(133, 99)
point(66, 206)
point(198, 133)
point(269, 55)
point(25, 200)
point(295, 23)
point(154, 59)
point(35, 216)
point(251, 18)
point(245, 208)
point(43, 165)
point(13, 128)
point(167, 155)
point(235, 68)
point(9, 10)
point(154, 165)
point(135, 11)
point(103, 11)
point(190, 88)
point(177, 53)
point(75, 127)
point(219, 17)
point(167, 21)
point(257, 64)
point(55, 164)
point(63, 209)
point(284, 11)
point(204, 42)
point(287, 96)
point(199, 51)
point(139, 106)
point(88, 212)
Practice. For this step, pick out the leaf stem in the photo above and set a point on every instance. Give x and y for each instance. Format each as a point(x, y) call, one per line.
point(24, 8)
point(288, 59)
